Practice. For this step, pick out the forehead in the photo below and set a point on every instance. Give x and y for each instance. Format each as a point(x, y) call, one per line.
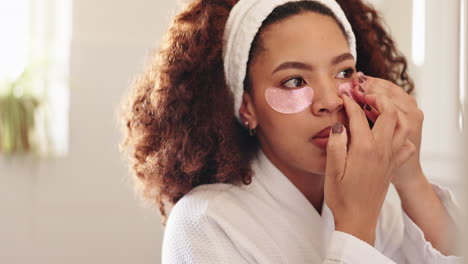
point(308, 36)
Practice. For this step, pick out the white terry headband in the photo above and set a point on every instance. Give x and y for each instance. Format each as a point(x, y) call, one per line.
point(244, 21)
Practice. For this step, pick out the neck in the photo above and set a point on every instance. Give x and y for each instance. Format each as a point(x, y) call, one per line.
point(311, 185)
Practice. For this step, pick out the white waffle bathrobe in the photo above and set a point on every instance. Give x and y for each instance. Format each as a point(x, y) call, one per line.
point(271, 221)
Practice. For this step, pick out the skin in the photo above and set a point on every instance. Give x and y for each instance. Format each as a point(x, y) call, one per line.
point(336, 173)
point(283, 137)
point(419, 200)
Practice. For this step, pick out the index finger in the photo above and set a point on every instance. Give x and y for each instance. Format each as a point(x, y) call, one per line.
point(358, 124)
point(373, 85)
point(384, 126)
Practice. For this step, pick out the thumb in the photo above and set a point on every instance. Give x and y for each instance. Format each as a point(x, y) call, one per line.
point(336, 153)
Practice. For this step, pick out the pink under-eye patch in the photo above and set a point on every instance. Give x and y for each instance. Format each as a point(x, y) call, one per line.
point(346, 87)
point(289, 101)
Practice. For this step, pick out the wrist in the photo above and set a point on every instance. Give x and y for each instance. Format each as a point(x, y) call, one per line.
point(413, 190)
point(411, 182)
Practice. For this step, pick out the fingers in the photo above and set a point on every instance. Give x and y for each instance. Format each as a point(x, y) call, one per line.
point(403, 101)
point(336, 153)
point(386, 122)
point(402, 129)
point(358, 124)
point(371, 112)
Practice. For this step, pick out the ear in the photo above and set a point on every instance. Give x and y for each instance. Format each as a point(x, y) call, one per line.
point(247, 111)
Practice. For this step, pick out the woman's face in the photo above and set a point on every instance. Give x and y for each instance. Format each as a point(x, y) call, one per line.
point(305, 50)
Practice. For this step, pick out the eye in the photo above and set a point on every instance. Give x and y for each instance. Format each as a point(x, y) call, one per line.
point(294, 82)
point(348, 73)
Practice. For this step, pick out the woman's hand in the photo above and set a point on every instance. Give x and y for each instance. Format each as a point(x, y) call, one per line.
point(357, 179)
point(418, 198)
point(410, 116)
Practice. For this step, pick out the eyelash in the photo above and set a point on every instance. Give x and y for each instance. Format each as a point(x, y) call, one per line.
point(294, 78)
point(350, 71)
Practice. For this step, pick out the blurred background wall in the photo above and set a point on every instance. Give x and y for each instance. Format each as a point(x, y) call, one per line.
point(427, 32)
point(81, 208)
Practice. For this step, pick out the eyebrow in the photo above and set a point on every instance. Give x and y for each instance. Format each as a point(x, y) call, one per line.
point(304, 66)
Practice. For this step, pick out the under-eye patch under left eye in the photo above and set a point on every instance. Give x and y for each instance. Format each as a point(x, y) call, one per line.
point(289, 101)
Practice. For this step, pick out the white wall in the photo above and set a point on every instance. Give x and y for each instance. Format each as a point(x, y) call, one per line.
point(81, 208)
point(436, 83)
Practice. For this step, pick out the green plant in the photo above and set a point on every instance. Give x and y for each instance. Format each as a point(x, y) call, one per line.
point(17, 115)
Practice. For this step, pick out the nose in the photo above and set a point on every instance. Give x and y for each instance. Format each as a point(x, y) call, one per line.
point(326, 98)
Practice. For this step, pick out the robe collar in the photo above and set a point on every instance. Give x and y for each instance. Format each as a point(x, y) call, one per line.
point(290, 198)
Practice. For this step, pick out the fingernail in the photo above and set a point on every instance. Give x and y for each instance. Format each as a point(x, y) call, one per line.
point(361, 90)
point(346, 93)
point(361, 77)
point(337, 128)
point(368, 107)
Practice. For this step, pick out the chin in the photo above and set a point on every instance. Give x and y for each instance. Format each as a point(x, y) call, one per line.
point(318, 166)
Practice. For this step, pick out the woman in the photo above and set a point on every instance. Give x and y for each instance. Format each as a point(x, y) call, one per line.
point(255, 124)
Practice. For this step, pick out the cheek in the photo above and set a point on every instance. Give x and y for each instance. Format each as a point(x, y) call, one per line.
point(289, 101)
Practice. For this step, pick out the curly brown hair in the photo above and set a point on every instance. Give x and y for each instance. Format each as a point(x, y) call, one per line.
point(178, 120)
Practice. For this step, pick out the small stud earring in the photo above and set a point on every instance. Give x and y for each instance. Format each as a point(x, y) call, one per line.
point(252, 132)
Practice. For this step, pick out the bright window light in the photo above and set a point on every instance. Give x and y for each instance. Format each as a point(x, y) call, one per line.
point(463, 58)
point(35, 37)
point(419, 32)
point(14, 38)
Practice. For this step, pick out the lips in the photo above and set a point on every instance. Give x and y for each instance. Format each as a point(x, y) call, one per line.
point(321, 138)
point(323, 133)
